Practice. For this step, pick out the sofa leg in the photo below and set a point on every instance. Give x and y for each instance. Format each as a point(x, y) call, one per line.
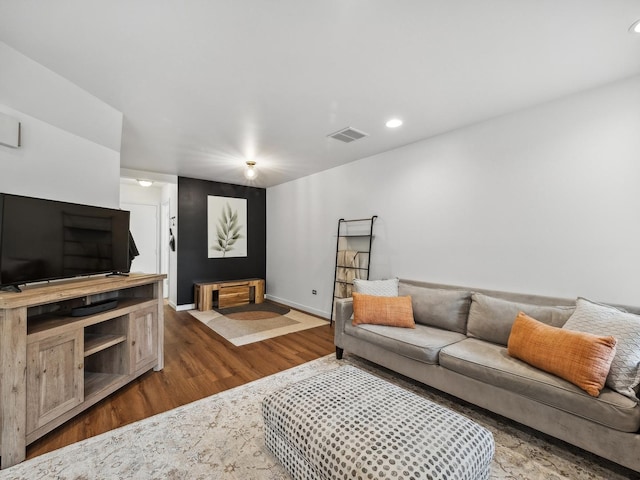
point(339, 352)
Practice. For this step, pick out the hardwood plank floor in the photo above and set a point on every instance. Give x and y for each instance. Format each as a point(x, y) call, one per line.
point(198, 363)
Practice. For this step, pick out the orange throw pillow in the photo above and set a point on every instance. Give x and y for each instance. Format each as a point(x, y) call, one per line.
point(391, 311)
point(580, 358)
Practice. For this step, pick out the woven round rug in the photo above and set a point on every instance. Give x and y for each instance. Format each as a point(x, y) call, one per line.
point(254, 311)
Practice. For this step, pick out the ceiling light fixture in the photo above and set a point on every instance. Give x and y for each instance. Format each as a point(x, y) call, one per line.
point(250, 172)
point(635, 28)
point(145, 183)
point(394, 123)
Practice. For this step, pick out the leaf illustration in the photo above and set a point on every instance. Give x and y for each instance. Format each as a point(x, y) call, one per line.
point(227, 230)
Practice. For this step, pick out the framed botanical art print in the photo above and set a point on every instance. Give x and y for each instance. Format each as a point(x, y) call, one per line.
point(227, 227)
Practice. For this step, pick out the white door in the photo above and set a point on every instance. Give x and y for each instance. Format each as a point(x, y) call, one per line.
point(143, 224)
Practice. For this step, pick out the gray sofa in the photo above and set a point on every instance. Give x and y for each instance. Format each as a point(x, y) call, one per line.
point(459, 347)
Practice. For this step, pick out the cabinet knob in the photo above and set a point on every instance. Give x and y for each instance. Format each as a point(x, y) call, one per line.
point(80, 365)
point(133, 342)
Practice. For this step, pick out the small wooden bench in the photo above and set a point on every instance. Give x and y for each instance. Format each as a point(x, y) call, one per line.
point(231, 293)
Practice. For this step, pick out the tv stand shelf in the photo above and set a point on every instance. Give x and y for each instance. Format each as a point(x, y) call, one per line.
point(93, 355)
point(48, 322)
point(96, 384)
point(94, 343)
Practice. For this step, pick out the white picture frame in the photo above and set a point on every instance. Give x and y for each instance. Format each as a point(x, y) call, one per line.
point(226, 227)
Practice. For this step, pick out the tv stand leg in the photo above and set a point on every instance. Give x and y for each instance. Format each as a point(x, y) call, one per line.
point(13, 389)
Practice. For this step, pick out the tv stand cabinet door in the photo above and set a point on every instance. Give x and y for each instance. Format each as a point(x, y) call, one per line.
point(143, 335)
point(55, 377)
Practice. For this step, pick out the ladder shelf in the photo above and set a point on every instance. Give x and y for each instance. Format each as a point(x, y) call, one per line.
point(353, 256)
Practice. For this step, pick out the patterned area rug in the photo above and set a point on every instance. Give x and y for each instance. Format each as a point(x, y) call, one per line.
point(221, 437)
point(254, 311)
point(253, 324)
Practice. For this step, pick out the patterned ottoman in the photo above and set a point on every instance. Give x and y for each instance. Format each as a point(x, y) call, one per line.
point(349, 424)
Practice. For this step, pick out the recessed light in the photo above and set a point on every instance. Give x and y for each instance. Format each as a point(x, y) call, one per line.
point(635, 28)
point(145, 183)
point(394, 123)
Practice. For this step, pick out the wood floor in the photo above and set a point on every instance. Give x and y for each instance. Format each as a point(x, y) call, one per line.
point(198, 363)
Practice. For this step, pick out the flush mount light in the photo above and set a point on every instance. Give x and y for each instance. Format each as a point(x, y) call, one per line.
point(145, 183)
point(250, 172)
point(394, 123)
point(635, 28)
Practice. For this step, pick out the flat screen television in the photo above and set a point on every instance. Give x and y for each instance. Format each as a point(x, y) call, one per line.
point(47, 240)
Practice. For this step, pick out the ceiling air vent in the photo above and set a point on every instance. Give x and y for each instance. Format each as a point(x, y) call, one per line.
point(348, 135)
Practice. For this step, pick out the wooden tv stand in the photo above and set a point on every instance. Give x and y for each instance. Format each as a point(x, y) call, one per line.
point(54, 365)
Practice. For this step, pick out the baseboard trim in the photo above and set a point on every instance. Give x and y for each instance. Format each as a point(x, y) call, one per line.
point(186, 306)
point(297, 306)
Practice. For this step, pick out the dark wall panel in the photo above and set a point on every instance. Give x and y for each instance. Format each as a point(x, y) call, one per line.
point(193, 262)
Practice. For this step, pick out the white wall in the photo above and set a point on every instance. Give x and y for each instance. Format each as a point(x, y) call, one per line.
point(27, 86)
point(70, 140)
point(130, 193)
point(542, 201)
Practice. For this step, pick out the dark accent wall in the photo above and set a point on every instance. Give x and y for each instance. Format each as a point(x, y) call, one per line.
point(193, 262)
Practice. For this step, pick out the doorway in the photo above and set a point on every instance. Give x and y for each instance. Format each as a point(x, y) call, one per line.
point(143, 223)
point(152, 215)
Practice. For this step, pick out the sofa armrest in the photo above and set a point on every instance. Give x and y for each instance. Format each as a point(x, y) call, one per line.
point(342, 314)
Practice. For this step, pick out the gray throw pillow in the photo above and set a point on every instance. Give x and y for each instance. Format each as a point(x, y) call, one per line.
point(380, 288)
point(491, 318)
point(437, 307)
point(598, 319)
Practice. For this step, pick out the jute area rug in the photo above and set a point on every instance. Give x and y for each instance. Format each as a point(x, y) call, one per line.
point(221, 437)
point(254, 323)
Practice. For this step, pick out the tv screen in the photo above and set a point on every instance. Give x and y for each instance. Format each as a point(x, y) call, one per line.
point(46, 240)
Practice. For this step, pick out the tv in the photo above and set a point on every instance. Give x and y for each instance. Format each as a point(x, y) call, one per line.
point(47, 240)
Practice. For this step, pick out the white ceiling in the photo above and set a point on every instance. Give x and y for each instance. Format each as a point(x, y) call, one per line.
point(206, 85)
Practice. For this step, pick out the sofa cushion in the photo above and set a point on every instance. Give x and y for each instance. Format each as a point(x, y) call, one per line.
point(447, 309)
point(422, 343)
point(491, 318)
point(600, 319)
point(490, 363)
point(581, 358)
point(391, 311)
point(381, 288)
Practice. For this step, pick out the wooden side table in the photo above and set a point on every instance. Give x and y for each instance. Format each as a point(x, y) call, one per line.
point(231, 293)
